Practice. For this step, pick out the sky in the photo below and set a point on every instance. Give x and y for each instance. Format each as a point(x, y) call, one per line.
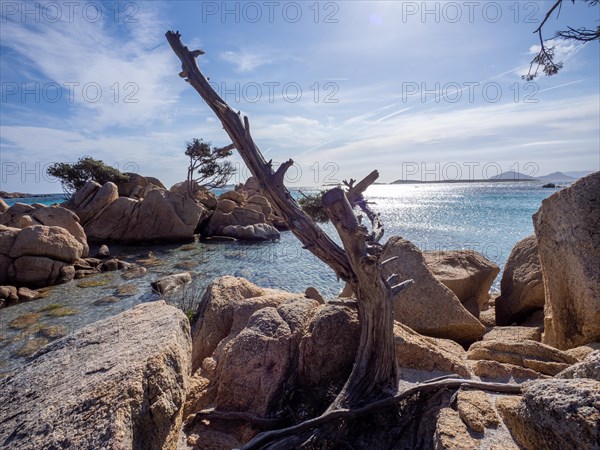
point(418, 90)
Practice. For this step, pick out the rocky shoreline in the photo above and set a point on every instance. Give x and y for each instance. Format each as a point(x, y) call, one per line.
point(254, 358)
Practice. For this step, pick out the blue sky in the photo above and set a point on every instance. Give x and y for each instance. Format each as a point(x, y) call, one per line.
point(423, 90)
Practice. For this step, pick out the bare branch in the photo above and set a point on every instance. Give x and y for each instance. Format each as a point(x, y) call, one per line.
point(300, 224)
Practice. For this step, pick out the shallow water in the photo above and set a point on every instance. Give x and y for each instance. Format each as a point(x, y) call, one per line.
point(485, 217)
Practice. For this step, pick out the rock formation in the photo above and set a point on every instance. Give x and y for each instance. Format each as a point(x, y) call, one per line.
point(160, 215)
point(118, 383)
point(522, 287)
point(468, 274)
point(567, 228)
point(428, 306)
point(37, 255)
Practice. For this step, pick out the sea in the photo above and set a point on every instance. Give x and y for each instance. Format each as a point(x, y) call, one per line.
point(485, 217)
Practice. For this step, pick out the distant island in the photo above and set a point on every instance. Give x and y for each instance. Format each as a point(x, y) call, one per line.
point(4, 194)
point(510, 176)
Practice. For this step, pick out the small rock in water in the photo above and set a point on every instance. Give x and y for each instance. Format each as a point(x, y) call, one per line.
point(27, 295)
point(103, 252)
point(171, 282)
point(135, 272)
point(109, 266)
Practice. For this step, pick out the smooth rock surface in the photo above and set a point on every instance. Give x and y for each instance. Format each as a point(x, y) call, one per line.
point(529, 354)
point(119, 383)
point(522, 286)
point(50, 242)
point(427, 306)
point(468, 274)
point(567, 227)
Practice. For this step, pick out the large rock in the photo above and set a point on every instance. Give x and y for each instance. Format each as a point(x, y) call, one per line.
point(554, 414)
point(522, 287)
point(160, 216)
point(257, 350)
point(22, 216)
point(427, 306)
point(62, 217)
point(468, 274)
point(118, 383)
point(227, 298)
point(529, 354)
point(513, 334)
point(91, 200)
point(567, 227)
point(50, 242)
point(39, 271)
point(3, 206)
point(588, 368)
point(257, 232)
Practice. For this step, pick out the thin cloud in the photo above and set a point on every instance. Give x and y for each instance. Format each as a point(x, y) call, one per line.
point(114, 74)
point(244, 61)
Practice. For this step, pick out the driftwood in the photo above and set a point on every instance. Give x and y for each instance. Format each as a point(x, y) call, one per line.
point(374, 374)
point(373, 382)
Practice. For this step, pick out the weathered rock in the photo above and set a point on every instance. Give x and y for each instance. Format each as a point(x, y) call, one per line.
point(529, 354)
point(427, 354)
point(118, 383)
point(36, 271)
point(199, 193)
point(263, 204)
point(134, 180)
point(26, 221)
point(216, 312)
point(522, 287)
point(160, 216)
point(3, 206)
point(62, 217)
point(554, 414)
point(328, 347)
point(588, 368)
point(468, 274)
point(169, 283)
point(314, 294)
point(8, 235)
point(91, 200)
point(475, 410)
point(451, 433)
point(257, 232)
point(581, 352)
point(567, 227)
point(50, 242)
point(513, 334)
point(110, 265)
point(9, 293)
point(236, 196)
point(27, 295)
point(427, 306)
point(503, 372)
point(258, 356)
point(103, 252)
point(226, 205)
point(134, 272)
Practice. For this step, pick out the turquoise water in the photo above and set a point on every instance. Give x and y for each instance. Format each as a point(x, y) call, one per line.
point(486, 217)
point(51, 199)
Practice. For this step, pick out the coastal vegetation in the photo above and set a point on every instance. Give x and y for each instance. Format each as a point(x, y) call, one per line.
point(74, 176)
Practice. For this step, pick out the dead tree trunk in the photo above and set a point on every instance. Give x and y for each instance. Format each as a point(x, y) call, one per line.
point(374, 374)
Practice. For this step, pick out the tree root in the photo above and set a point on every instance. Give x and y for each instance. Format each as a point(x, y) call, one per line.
point(265, 439)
